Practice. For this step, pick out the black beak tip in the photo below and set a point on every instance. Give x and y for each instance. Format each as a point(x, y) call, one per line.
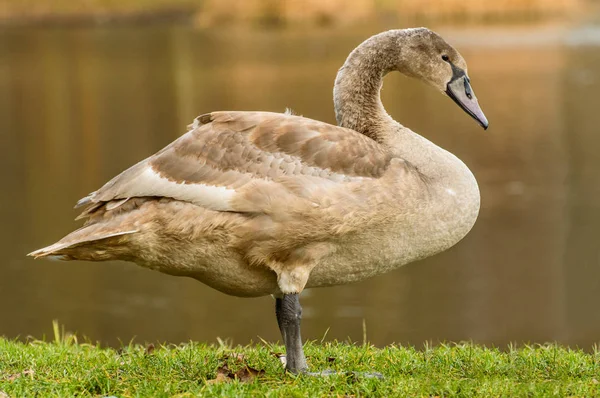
point(485, 125)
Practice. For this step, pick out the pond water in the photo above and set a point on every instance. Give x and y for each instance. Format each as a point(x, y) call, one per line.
point(77, 106)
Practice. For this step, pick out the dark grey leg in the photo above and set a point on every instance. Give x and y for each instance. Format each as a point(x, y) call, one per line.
point(278, 304)
point(289, 314)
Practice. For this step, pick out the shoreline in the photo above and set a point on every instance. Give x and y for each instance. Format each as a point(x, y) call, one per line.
point(255, 13)
point(66, 367)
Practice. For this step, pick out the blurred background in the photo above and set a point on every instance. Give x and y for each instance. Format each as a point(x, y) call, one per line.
point(88, 88)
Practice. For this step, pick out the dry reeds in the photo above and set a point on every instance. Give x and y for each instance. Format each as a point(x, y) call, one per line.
point(215, 12)
point(301, 11)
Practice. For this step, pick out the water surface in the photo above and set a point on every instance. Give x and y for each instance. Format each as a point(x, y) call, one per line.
point(77, 106)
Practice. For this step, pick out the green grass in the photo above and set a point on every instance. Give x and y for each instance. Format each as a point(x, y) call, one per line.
point(67, 368)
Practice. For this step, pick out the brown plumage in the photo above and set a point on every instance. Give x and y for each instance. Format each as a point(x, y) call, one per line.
point(256, 203)
point(286, 186)
point(231, 149)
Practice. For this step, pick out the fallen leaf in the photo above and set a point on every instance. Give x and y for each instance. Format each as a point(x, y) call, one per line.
point(594, 381)
point(3, 395)
point(29, 372)
point(150, 349)
point(248, 374)
point(237, 356)
point(330, 359)
point(221, 378)
point(14, 376)
point(224, 375)
point(244, 375)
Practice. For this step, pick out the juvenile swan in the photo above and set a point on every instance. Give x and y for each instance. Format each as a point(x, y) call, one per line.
point(258, 203)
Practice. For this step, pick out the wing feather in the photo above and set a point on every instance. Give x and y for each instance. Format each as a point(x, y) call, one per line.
point(223, 152)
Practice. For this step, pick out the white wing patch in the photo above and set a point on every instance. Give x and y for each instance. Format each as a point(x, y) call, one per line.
point(208, 196)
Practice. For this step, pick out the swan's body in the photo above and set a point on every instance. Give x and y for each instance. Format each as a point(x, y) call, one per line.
point(257, 203)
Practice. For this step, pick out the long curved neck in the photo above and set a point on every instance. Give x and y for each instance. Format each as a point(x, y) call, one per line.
point(356, 94)
point(358, 104)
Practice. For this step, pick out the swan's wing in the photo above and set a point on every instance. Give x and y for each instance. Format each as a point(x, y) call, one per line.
point(226, 153)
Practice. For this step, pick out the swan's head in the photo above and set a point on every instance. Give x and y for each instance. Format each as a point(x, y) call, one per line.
point(426, 56)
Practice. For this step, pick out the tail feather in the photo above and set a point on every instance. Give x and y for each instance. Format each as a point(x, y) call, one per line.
point(64, 248)
point(85, 200)
point(49, 250)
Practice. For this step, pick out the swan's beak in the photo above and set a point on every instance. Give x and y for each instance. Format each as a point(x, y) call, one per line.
point(459, 89)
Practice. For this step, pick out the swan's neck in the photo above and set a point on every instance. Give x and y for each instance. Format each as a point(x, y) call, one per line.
point(358, 106)
point(356, 94)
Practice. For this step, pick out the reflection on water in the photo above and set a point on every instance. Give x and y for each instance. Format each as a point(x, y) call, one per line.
point(79, 106)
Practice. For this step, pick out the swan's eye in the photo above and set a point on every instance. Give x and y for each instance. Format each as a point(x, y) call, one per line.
point(445, 58)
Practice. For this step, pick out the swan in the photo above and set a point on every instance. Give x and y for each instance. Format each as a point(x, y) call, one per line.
point(260, 203)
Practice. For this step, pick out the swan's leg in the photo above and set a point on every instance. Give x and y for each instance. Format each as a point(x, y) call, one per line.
point(289, 314)
point(278, 305)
